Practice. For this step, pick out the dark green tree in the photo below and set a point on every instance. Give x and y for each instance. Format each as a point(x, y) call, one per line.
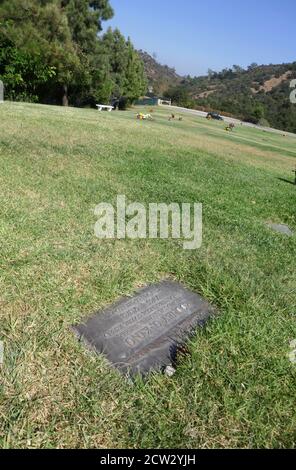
point(180, 96)
point(135, 83)
point(85, 21)
point(38, 29)
point(126, 69)
point(51, 51)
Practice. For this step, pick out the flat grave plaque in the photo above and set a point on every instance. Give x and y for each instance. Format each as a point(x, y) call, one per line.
point(143, 332)
point(281, 228)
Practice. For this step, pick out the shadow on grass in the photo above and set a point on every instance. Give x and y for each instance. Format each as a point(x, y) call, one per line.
point(287, 181)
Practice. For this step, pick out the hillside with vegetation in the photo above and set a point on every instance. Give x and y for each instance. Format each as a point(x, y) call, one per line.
point(160, 77)
point(258, 94)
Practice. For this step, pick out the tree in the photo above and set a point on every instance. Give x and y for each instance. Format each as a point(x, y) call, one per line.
point(253, 66)
point(85, 21)
point(237, 69)
point(211, 73)
point(22, 73)
point(179, 96)
point(135, 83)
point(51, 52)
point(126, 69)
point(38, 29)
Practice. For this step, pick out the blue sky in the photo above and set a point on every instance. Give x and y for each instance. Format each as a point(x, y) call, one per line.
point(194, 35)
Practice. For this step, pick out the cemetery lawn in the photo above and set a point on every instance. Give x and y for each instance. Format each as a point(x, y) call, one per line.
point(236, 388)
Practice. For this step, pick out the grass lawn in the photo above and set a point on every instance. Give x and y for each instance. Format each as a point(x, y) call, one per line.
point(237, 386)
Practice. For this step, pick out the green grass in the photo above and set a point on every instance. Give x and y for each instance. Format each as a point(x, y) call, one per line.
point(237, 386)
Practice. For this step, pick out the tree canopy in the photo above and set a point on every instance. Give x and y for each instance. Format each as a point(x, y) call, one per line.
point(51, 51)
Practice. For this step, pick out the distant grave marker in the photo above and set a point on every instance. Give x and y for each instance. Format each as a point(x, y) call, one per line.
point(1, 92)
point(281, 228)
point(143, 333)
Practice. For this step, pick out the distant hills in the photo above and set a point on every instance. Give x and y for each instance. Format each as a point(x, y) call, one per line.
point(160, 77)
point(259, 94)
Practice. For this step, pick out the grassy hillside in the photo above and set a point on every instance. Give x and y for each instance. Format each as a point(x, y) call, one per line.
point(236, 388)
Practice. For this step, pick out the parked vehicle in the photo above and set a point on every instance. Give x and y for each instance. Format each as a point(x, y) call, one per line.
point(215, 116)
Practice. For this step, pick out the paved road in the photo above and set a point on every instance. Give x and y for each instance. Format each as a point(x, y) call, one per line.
point(194, 112)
